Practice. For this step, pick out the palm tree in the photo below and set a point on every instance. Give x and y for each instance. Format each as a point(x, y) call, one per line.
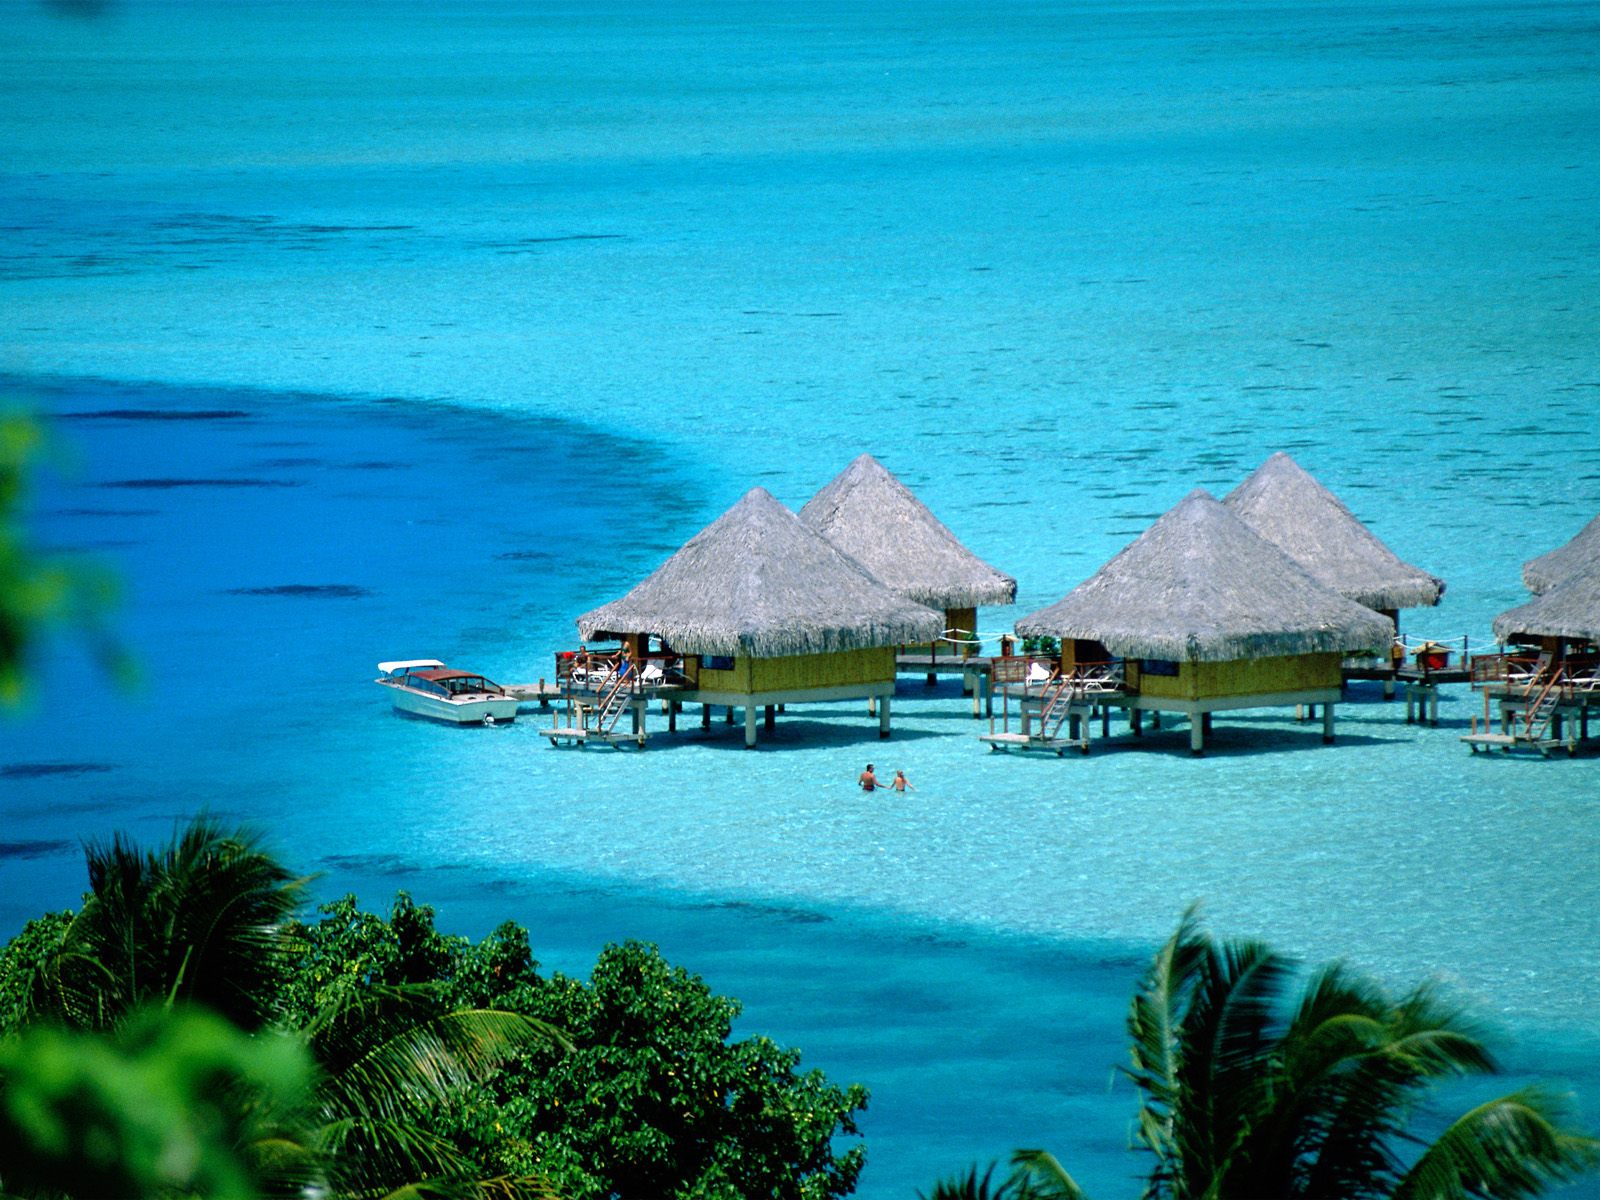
point(206, 922)
point(200, 921)
point(1244, 1095)
point(388, 1054)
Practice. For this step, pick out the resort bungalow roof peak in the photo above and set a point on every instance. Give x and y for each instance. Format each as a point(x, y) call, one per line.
point(1200, 586)
point(758, 582)
point(1582, 553)
point(875, 519)
point(1570, 609)
point(1285, 504)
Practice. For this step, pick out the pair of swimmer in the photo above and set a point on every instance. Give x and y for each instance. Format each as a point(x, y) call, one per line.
point(870, 783)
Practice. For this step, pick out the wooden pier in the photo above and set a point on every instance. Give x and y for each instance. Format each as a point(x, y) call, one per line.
point(977, 675)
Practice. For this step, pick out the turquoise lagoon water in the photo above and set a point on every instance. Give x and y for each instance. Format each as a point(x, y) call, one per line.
point(377, 332)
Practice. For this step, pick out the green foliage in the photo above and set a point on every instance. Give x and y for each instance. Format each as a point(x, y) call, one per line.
point(1247, 1090)
point(23, 968)
point(168, 1104)
point(649, 1097)
point(440, 1070)
point(37, 592)
point(201, 921)
point(1035, 1175)
point(657, 1101)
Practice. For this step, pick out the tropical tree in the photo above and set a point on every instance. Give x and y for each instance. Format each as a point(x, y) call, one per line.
point(654, 1099)
point(391, 1058)
point(205, 924)
point(1247, 1090)
point(200, 921)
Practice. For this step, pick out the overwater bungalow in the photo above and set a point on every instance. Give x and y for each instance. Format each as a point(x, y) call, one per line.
point(1285, 504)
point(765, 612)
point(1548, 685)
point(875, 519)
point(1207, 616)
point(1581, 553)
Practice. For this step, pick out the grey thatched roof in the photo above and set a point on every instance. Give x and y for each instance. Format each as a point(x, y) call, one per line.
point(1582, 553)
point(1287, 506)
point(874, 518)
point(1200, 586)
point(757, 582)
point(1571, 609)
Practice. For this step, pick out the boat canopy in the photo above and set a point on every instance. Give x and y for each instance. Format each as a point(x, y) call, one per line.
point(389, 668)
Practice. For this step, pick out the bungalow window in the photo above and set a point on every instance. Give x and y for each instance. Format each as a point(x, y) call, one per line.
point(717, 662)
point(1158, 666)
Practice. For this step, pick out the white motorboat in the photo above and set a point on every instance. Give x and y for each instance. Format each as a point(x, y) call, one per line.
point(428, 688)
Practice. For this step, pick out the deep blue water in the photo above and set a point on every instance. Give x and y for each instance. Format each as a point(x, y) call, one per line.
point(444, 326)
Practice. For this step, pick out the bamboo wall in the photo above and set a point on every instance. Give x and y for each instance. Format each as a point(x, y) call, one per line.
point(797, 672)
point(1240, 677)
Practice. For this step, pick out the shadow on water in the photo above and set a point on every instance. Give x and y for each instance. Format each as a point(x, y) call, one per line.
point(789, 734)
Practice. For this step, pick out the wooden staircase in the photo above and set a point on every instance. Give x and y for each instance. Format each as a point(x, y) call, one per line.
point(1054, 719)
point(597, 722)
point(1526, 713)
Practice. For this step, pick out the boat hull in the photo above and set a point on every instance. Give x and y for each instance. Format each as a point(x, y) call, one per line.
point(470, 711)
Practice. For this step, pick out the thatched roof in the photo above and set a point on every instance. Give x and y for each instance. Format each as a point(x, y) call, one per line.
point(1582, 553)
point(1570, 609)
point(1200, 586)
point(758, 583)
point(874, 518)
point(1285, 505)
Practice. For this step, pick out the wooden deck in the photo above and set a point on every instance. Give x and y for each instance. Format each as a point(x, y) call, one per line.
point(1508, 742)
point(541, 692)
point(582, 737)
point(1023, 741)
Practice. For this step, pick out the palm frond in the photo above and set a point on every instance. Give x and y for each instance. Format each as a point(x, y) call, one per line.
point(503, 1187)
point(1507, 1148)
point(1355, 1114)
point(971, 1187)
point(431, 1059)
point(1154, 1023)
point(369, 1154)
point(1044, 1178)
point(1227, 1046)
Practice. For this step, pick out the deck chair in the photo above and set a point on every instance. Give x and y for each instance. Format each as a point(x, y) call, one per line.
point(1103, 678)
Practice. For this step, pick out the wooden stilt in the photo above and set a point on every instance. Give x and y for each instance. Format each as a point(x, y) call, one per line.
point(883, 718)
point(1327, 724)
point(771, 716)
point(749, 726)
